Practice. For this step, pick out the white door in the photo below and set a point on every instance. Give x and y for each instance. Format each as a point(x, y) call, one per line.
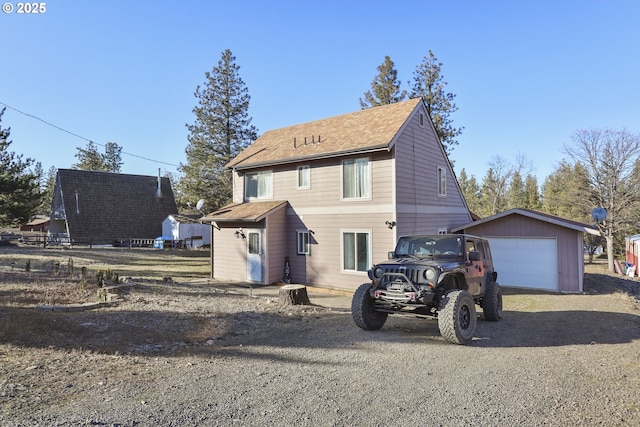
point(525, 262)
point(254, 256)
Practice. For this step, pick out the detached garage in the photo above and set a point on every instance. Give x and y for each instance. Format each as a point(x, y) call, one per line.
point(534, 250)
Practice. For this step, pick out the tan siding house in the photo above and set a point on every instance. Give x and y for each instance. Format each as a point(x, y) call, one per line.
point(332, 196)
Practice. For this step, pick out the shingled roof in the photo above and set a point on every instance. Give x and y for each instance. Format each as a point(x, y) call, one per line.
point(365, 130)
point(540, 216)
point(247, 212)
point(104, 206)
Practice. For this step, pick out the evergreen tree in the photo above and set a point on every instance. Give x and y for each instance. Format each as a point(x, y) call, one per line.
point(566, 192)
point(532, 193)
point(19, 185)
point(112, 157)
point(221, 130)
point(429, 83)
point(90, 159)
point(47, 188)
point(470, 191)
point(385, 88)
point(516, 195)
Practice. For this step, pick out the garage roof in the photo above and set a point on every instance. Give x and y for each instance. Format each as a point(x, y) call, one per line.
point(552, 219)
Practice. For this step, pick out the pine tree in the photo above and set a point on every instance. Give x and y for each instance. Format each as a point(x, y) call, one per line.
point(429, 83)
point(470, 191)
point(47, 187)
point(90, 159)
point(566, 192)
point(222, 128)
point(19, 185)
point(532, 193)
point(517, 196)
point(385, 88)
point(112, 157)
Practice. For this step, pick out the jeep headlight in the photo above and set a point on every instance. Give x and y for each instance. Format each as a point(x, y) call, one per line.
point(375, 273)
point(430, 274)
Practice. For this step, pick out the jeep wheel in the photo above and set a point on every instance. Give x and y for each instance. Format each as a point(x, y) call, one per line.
point(457, 317)
point(492, 302)
point(363, 312)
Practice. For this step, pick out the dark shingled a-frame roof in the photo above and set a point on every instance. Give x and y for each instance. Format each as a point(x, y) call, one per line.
point(103, 207)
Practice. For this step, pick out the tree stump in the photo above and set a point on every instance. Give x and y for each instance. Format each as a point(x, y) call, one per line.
point(293, 295)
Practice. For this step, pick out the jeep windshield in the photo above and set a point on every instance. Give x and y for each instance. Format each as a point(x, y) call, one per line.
point(429, 246)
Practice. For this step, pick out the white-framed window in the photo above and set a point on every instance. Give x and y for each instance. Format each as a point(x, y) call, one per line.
point(356, 250)
point(258, 185)
point(442, 181)
point(304, 177)
point(304, 242)
point(356, 178)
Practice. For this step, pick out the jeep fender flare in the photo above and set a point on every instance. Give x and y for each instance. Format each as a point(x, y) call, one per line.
point(454, 280)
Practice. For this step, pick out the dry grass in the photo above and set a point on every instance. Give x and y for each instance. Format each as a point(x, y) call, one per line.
point(138, 263)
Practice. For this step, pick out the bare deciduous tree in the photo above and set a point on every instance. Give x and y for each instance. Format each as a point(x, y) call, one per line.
point(610, 158)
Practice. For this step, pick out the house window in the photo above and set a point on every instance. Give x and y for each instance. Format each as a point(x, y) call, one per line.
point(304, 244)
point(356, 179)
point(356, 250)
point(421, 120)
point(258, 185)
point(442, 181)
point(304, 177)
point(254, 243)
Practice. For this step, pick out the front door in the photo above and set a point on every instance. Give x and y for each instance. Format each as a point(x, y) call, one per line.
point(254, 256)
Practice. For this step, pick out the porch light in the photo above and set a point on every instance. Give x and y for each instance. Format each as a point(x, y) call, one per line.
point(240, 234)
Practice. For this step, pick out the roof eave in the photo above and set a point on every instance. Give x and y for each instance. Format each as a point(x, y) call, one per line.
point(584, 229)
point(245, 219)
point(343, 153)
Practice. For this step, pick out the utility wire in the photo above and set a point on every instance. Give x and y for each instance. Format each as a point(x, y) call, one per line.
point(82, 137)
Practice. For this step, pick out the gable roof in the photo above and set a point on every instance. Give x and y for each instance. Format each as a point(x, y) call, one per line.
point(251, 212)
point(540, 216)
point(104, 206)
point(367, 130)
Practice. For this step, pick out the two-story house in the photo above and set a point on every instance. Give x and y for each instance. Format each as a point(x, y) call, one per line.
point(331, 196)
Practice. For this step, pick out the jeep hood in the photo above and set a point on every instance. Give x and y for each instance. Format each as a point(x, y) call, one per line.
point(446, 263)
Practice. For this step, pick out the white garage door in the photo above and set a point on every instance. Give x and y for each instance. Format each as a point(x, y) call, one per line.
point(525, 262)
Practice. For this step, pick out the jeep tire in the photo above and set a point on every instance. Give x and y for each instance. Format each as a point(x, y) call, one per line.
point(363, 312)
point(457, 317)
point(492, 302)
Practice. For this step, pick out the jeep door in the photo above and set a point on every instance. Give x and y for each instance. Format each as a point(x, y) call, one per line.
point(475, 266)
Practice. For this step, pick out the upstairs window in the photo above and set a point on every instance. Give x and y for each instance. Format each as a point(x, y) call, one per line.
point(304, 177)
point(356, 178)
point(442, 181)
point(258, 185)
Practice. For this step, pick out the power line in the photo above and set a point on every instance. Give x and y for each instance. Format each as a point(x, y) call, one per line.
point(82, 137)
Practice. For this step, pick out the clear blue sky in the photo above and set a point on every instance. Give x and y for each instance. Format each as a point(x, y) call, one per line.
point(527, 74)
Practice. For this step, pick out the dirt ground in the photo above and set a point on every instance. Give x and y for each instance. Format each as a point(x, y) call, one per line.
point(183, 318)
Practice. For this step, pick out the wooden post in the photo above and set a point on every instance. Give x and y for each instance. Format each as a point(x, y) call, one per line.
point(293, 295)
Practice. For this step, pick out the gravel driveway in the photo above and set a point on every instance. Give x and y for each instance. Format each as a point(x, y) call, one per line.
point(187, 354)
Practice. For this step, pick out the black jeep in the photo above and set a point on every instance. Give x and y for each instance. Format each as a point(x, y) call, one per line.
point(441, 276)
